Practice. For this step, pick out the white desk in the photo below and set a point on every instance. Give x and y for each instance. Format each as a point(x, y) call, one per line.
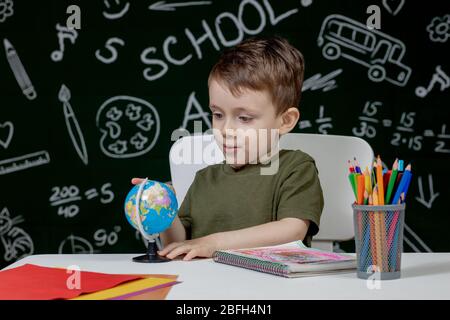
point(424, 276)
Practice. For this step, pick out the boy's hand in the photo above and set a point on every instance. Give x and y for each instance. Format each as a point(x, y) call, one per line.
point(201, 247)
point(137, 180)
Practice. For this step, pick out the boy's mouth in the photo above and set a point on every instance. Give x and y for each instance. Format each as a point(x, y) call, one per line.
point(229, 148)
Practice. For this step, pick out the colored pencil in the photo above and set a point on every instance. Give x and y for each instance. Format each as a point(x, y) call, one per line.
point(402, 184)
point(368, 181)
point(392, 180)
point(352, 179)
point(380, 182)
point(377, 249)
point(360, 189)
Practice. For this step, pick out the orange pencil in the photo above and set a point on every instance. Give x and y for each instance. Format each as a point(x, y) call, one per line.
point(361, 186)
point(380, 182)
point(377, 235)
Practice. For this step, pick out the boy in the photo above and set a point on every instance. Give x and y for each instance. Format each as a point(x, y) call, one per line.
point(254, 86)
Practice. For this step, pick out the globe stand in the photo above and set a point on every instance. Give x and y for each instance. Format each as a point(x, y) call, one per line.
point(152, 255)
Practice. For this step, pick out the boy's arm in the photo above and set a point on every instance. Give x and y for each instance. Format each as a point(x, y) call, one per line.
point(176, 232)
point(268, 234)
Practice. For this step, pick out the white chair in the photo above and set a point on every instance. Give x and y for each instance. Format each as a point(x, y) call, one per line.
point(330, 153)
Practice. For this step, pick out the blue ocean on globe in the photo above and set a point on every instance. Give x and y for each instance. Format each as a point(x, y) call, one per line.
point(157, 208)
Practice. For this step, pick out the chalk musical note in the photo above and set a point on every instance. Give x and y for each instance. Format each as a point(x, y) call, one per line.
point(16, 242)
point(19, 71)
point(24, 162)
point(6, 9)
point(63, 33)
point(72, 124)
point(6, 133)
point(439, 77)
point(118, 7)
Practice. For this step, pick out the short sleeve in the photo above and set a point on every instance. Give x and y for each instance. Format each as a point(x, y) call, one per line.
point(301, 196)
point(184, 213)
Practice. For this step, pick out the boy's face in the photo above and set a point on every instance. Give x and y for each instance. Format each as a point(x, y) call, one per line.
point(246, 127)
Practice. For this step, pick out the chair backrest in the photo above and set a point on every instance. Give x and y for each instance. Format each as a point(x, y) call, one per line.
point(330, 153)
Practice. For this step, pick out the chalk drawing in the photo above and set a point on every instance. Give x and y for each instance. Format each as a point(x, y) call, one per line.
point(115, 9)
point(113, 52)
point(19, 71)
point(439, 29)
point(76, 136)
point(440, 78)
point(6, 9)
point(139, 117)
point(24, 162)
point(16, 242)
point(393, 6)
point(64, 33)
point(6, 133)
point(382, 54)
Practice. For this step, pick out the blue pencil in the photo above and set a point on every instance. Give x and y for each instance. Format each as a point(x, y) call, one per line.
point(402, 185)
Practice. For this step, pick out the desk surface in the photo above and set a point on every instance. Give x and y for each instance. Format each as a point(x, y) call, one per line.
point(424, 276)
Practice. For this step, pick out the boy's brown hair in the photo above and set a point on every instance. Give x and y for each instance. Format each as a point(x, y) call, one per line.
point(263, 64)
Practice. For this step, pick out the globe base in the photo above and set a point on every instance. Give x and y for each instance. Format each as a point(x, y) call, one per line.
point(152, 256)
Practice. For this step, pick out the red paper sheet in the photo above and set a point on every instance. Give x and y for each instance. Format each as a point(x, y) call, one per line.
point(32, 282)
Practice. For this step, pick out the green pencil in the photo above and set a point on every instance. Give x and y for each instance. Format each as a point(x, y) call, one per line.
point(392, 181)
point(352, 178)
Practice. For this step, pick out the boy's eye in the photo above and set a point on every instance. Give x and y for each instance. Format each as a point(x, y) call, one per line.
point(245, 119)
point(217, 115)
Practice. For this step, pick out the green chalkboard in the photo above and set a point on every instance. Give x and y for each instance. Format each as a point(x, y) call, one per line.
point(84, 110)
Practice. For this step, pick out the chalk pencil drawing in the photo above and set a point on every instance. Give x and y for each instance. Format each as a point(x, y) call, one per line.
point(439, 29)
point(115, 9)
point(318, 82)
point(19, 71)
point(113, 52)
point(6, 9)
point(163, 6)
point(382, 54)
point(16, 242)
point(140, 119)
point(75, 245)
point(393, 6)
point(75, 133)
point(440, 78)
point(24, 162)
point(421, 198)
point(64, 33)
point(6, 133)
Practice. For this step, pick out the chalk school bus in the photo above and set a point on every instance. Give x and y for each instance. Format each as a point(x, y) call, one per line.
point(380, 53)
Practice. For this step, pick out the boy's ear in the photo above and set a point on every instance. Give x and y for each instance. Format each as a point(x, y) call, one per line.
point(289, 120)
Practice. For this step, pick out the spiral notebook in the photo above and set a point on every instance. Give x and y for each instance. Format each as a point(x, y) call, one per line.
point(289, 260)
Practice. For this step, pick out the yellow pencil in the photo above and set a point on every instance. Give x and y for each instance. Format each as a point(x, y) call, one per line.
point(368, 182)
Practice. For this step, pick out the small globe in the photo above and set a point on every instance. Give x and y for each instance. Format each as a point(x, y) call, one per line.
point(157, 208)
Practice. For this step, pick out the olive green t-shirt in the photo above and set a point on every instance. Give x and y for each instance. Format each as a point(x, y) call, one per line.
point(222, 198)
